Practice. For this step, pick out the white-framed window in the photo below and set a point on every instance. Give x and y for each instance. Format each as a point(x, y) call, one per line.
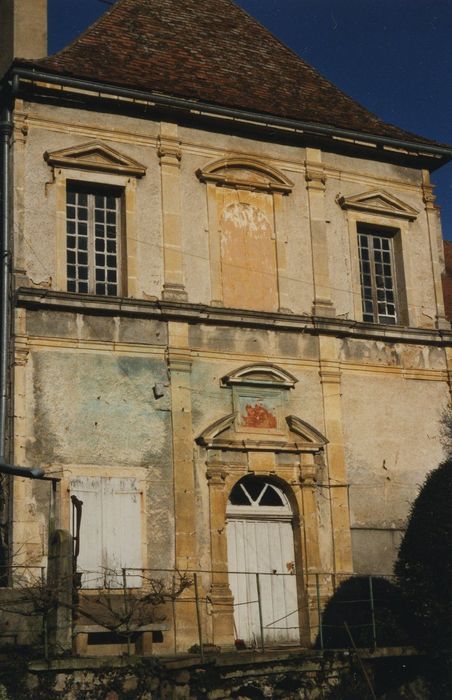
point(377, 274)
point(93, 239)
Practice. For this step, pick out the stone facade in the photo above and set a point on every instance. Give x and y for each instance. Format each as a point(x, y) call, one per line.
point(239, 292)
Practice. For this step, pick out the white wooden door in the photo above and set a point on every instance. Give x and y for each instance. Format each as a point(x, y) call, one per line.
point(263, 546)
point(110, 532)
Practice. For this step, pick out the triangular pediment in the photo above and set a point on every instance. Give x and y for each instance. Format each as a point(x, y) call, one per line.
point(209, 435)
point(300, 437)
point(307, 433)
point(379, 202)
point(247, 173)
point(95, 156)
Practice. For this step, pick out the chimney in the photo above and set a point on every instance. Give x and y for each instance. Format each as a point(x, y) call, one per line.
point(23, 30)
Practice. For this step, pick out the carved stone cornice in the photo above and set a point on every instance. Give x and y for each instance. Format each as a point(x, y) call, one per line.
point(169, 152)
point(216, 475)
point(308, 474)
point(429, 198)
point(330, 376)
point(178, 360)
point(33, 299)
point(21, 357)
point(20, 126)
point(315, 177)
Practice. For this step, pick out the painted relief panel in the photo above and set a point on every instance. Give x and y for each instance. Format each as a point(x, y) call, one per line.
point(258, 413)
point(257, 410)
point(248, 253)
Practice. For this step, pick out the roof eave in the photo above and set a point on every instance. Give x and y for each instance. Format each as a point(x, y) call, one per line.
point(22, 71)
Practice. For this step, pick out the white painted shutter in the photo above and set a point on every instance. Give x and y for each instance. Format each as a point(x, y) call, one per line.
point(88, 490)
point(110, 533)
point(122, 530)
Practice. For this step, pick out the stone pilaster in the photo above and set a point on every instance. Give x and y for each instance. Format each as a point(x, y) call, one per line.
point(170, 154)
point(330, 378)
point(436, 248)
point(220, 592)
point(186, 559)
point(315, 183)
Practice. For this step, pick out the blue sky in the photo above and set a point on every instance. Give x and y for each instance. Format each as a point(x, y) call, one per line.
point(393, 56)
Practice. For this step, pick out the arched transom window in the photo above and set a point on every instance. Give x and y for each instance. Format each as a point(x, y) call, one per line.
point(255, 497)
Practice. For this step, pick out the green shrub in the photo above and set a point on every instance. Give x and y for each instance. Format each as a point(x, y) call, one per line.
point(351, 604)
point(424, 566)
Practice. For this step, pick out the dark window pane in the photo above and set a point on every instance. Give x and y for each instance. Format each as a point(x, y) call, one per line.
point(70, 212)
point(100, 245)
point(83, 287)
point(99, 216)
point(83, 273)
point(111, 260)
point(82, 199)
point(100, 260)
point(82, 214)
point(111, 275)
point(111, 246)
point(100, 288)
point(271, 498)
point(70, 197)
point(238, 497)
point(112, 290)
point(253, 485)
point(71, 286)
point(111, 217)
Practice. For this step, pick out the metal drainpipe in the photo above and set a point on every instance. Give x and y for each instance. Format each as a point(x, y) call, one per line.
point(5, 273)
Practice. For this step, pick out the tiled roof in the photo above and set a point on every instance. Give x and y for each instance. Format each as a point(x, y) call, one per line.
point(212, 51)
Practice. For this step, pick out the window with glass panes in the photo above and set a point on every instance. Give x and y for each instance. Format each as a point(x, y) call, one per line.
point(377, 276)
point(93, 240)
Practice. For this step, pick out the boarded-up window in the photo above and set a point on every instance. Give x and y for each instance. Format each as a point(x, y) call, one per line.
point(248, 252)
point(110, 533)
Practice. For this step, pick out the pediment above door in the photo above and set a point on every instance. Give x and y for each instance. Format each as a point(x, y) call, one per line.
point(297, 437)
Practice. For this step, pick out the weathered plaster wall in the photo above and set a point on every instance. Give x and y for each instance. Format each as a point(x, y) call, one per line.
point(90, 406)
point(36, 207)
point(133, 138)
point(392, 437)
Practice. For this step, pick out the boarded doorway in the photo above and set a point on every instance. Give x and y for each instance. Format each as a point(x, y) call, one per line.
point(261, 563)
